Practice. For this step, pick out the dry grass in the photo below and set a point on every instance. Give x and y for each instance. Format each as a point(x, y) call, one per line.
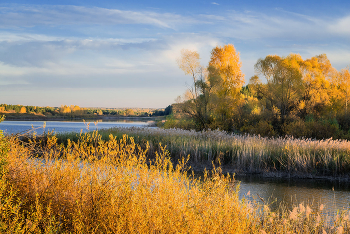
point(98, 186)
point(109, 187)
point(246, 153)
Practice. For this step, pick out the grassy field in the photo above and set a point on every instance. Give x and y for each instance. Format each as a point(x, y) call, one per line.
point(242, 153)
point(93, 185)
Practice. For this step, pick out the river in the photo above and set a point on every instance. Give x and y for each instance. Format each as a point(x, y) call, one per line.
point(13, 127)
point(333, 195)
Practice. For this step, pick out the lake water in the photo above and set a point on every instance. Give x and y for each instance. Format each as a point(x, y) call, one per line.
point(333, 195)
point(13, 127)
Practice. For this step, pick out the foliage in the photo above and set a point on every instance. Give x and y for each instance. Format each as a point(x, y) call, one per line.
point(109, 186)
point(97, 186)
point(215, 90)
point(4, 148)
point(284, 83)
point(294, 89)
point(75, 111)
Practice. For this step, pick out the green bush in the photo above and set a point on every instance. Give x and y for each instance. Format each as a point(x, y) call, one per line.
point(297, 129)
point(262, 128)
point(182, 123)
point(323, 129)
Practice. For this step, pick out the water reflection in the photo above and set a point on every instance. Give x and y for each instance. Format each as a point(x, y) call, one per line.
point(333, 195)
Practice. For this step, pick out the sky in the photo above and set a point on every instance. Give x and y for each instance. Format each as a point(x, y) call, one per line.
point(119, 54)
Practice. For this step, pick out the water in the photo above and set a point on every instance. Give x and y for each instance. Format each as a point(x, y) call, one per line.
point(10, 127)
point(334, 196)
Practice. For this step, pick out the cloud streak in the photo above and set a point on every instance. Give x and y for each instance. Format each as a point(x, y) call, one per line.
point(29, 16)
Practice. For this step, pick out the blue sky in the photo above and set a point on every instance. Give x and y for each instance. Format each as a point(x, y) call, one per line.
point(123, 53)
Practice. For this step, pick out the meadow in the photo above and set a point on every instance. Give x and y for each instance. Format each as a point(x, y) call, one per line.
point(92, 185)
point(242, 153)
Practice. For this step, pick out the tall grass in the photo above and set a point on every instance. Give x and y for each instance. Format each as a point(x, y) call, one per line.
point(245, 153)
point(109, 186)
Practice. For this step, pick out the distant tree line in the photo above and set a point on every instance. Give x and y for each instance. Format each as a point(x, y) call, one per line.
point(287, 96)
point(74, 111)
point(166, 111)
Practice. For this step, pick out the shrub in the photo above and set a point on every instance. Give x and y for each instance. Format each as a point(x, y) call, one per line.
point(4, 148)
point(323, 129)
point(97, 186)
point(262, 128)
point(297, 129)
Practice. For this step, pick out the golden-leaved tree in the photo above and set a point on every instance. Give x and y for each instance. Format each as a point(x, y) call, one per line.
point(317, 74)
point(343, 87)
point(226, 80)
point(215, 92)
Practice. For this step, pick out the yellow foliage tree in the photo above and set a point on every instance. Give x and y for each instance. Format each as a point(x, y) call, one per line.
point(65, 109)
point(343, 79)
point(317, 74)
point(23, 110)
point(284, 82)
point(226, 80)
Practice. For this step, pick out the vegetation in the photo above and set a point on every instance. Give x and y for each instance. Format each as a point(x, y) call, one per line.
point(4, 147)
point(98, 186)
point(137, 180)
point(245, 153)
point(74, 111)
point(301, 98)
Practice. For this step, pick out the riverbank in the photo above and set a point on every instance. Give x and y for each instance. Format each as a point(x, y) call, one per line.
point(296, 176)
point(96, 186)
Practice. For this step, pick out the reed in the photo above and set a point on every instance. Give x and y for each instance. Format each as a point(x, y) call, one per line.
point(246, 153)
point(94, 185)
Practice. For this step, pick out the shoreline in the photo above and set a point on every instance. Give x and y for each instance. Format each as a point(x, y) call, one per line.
point(275, 175)
point(62, 118)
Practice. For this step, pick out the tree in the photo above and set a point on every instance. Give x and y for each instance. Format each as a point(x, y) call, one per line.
point(189, 63)
point(23, 110)
point(344, 87)
point(64, 109)
point(196, 99)
point(226, 80)
point(317, 74)
point(284, 83)
point(128, 112)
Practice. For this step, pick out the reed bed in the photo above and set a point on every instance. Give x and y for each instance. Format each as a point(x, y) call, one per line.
point(109, 186)
point(246, 153)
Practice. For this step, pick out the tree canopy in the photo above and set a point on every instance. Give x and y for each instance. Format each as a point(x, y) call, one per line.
point(287, 95)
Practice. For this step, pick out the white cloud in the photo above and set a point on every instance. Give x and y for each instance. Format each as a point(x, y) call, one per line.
point(99, 63)
point(215, 3)
point(12, 37)
point(340, 26)
point(32, 15)
point(278, 25)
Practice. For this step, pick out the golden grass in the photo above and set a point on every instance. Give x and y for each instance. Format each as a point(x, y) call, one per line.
point(111, 188)
point(246, 153)
point(97, 186)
